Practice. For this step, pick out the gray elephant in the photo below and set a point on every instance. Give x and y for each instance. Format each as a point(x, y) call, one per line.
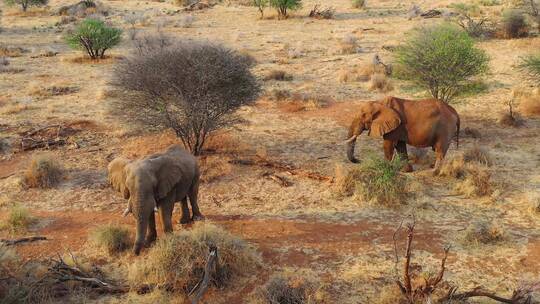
point(157, 181)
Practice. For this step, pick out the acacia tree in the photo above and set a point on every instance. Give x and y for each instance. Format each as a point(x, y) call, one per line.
point(26, 3)
point(95, 37)
point(441, 59)
point(282, 6)
point(191, 87)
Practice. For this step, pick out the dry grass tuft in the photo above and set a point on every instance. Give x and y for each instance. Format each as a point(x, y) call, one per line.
point(508, 120)
point(19, 219)
point(483, 233)
point(368, 70)
point(17, 108)
point(474, 179)
point(297, 102)
point(290, 287)
point(6, 51)
point(149, 144)
point(349, 45)
point(278, 95)
point(43, 172)
point(54, 91)
point(530, 105)
point(477, 182)
point(176, 262)
point(278, 75)
point(112, 239)
point(390, 294)
point(513, 25)
point(470, 132)
point(380, 83)
point(226, 143)
point(477, 154)
point(214, 167)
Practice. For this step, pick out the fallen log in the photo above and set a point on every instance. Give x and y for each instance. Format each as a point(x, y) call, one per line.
point(31, 144)
point(292, 170)
point(283, 182)
point(211, 272)
point(22, 240)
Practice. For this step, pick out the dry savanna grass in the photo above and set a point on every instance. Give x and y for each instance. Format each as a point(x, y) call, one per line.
point(278, 75)
point(530, 105)
point(473, 178)
point(477, 154)
point(17, 108)
point(7, 51)
point(349, 45)
point(483, 232)
point(43, 172)
point(298, 102)
point(112, 239)
point(54, 91)
point(290, 286)
point(18, 219)
point(176, 262)
point(214, 167)
point(144, 145)
point(380, 82)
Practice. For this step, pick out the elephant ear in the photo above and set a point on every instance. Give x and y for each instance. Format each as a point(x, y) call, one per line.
point(168, 174)
point(117, 175)
point(385, 120)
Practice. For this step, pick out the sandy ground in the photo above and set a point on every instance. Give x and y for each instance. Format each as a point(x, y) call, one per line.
point(346, 242)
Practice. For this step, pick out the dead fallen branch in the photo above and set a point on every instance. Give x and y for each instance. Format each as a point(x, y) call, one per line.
point(282, 181)
point(62, 272)
point(45, 137)
point(317, 13)
point(433, 13)
point(212, 273)
point(290, 169)
point(31, 143)
point(22, 240)
point(426, 287)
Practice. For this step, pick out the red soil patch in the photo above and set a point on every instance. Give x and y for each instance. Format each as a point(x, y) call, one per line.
point(282, 242)
point(17, 163)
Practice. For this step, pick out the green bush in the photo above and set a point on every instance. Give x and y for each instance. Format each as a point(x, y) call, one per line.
point(111, 238)
point(18, 219)
point(26, 3)
point(261, 5)
point(531, 65)
point(359, 3)
point(95, 37)
point(282, 6)
point(514, 24)
point(377, 180)
point(441, 59)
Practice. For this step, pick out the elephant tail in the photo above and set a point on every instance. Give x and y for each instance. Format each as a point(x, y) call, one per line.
point(457, 133)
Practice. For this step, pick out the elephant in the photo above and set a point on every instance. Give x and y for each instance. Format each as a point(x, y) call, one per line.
point(158, 180)
point(402, 122)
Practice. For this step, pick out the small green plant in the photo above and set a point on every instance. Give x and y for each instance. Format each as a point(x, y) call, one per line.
point(376, 179)
point(489, 2)
point(18, 219)
point(26, 3)
point(514, 24)
point(531, 66)
point(113, 239)
point(261, 5)
point(95, 37)
point(359, 3)
point(283, 6)
point(441, 59)
point(467, 8)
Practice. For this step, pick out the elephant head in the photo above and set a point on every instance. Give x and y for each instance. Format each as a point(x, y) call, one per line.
point(375, 117)
point(144, 182)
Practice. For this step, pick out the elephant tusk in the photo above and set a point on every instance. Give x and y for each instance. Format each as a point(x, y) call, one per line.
point(126, 212)
point(353, 138)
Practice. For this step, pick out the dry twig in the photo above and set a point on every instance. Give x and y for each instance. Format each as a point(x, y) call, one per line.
point(22, 240)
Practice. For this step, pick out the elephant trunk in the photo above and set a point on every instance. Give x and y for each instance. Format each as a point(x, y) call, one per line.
point(142, 210)
point(351, 143)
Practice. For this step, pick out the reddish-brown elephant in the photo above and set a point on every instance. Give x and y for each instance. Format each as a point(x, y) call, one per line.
point(419, 123)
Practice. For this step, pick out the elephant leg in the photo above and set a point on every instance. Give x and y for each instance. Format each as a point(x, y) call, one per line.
point(185, 212)
point(165, 212)
point(388, 147)
point(440, 152)
point(193, 197)
point(401, 147)
point(151, 234)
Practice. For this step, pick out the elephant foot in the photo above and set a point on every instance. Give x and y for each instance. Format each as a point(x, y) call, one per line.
point(149, 240)
point(198, 217)
point(137, 248)
point(185, 220)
